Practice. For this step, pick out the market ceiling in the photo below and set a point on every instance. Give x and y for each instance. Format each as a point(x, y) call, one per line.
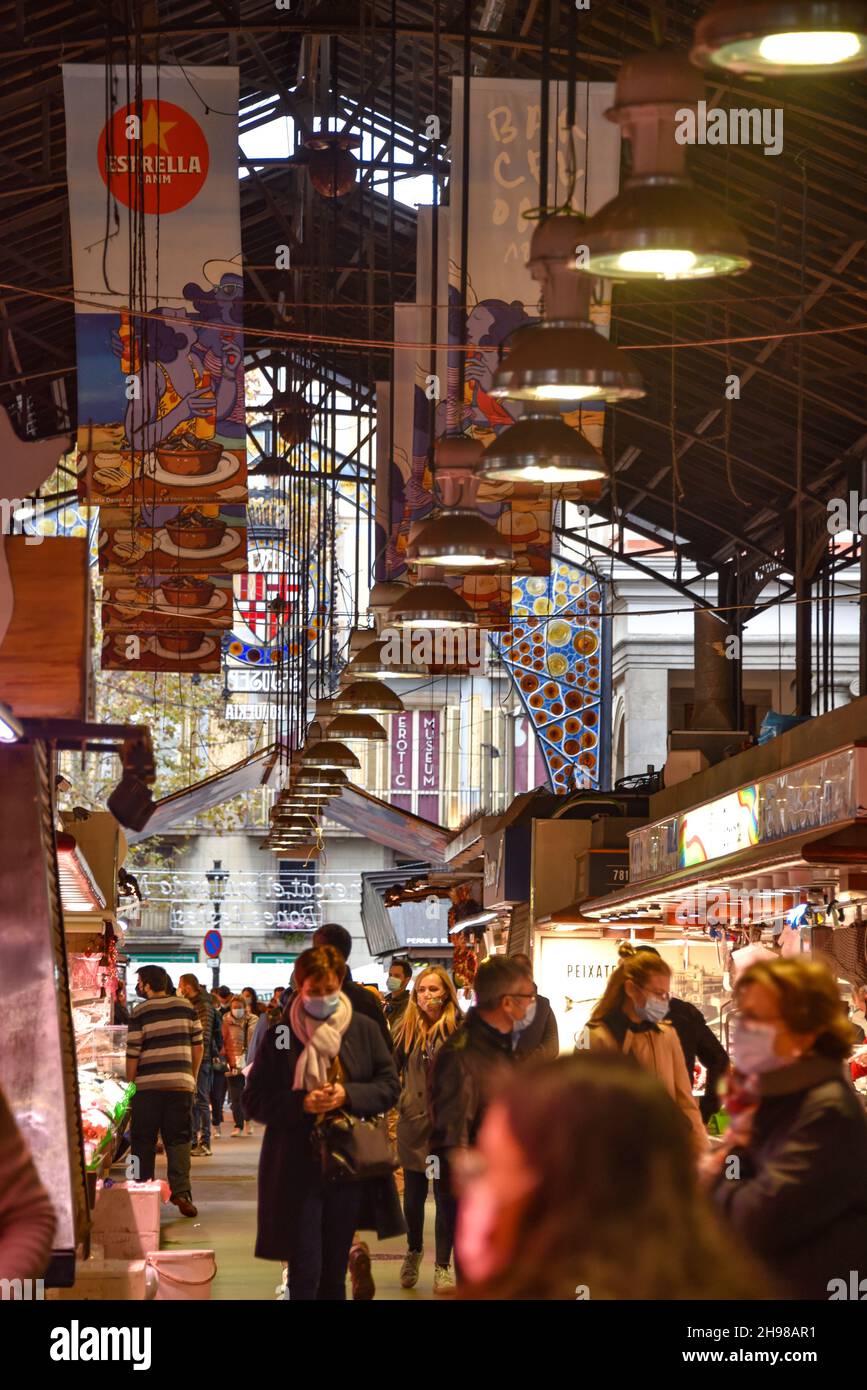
point(725, 481)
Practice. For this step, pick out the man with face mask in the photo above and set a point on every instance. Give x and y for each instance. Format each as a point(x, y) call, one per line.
point(470, 1063)
point(397, 985)
point(535, 1035)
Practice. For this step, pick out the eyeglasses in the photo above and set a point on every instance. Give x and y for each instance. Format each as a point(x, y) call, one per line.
point(531, 998)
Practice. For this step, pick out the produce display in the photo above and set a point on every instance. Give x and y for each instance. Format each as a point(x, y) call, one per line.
point(104, 1105)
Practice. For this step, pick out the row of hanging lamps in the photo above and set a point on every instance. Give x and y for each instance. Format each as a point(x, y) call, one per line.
point(563, 358)
point(660, 226)
point(458, 538)
point(776, 38)
point(541, 448)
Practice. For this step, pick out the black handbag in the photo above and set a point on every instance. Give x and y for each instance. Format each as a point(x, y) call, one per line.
point(352, 1148)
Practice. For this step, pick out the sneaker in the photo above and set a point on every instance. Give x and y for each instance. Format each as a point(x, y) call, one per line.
point(236, 1133)
point(248, 1129)
point(204, 1151)
point(216, 1133)
point(196, 1151)
point(360, 1272)
point(184, 1205)
point(444, 1280)
point(409, 1269)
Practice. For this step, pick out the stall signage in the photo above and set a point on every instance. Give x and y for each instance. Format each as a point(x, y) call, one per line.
point(401, 760)
point(810, 796)
point(718, 828)
point(573, 975)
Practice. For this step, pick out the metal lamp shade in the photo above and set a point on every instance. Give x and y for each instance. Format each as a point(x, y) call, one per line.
point(565, 360)
point(783, 37)
point(460, 539)
point(431, 605)
point(543, 449)
point(329, 753)
point(663, 228)
point(368, 664)
point(368, 697)
point(349, 726)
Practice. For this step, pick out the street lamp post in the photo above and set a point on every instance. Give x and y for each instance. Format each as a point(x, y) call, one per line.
point(216, 878)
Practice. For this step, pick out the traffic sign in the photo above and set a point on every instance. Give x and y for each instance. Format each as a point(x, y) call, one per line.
point(213, 943)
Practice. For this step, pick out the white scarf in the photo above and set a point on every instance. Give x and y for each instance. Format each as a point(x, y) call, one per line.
point(322, 1038)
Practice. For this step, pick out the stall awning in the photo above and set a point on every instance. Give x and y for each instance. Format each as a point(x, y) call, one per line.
point(388, 825)
point(181, 807)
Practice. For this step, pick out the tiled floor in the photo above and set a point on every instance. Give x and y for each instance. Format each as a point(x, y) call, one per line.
point(224, 1190)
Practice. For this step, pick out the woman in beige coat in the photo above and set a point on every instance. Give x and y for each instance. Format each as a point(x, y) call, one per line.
point(630, 1018)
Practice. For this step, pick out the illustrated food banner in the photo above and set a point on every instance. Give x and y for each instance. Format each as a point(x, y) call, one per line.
point(156, 239)
point(504, 175)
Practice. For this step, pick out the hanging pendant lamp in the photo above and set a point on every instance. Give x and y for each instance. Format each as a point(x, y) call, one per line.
point(367, 697)
point(563, 358)
point(349, 726)
point(313, 779)
point(775, 38)
point(660, 227)
point(458, 538)
point(541, 448)
point(329, 753)
point(372, 663)
point(431, 605)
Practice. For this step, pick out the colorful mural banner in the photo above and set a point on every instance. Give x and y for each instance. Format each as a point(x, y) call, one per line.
point(557, 653)
point(156, 239)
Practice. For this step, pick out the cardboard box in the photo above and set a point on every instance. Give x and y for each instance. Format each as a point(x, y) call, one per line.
point(127, 1206)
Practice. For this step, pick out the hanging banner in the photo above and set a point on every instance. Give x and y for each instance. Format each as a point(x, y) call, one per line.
point(504, 200)
point(156, 236)
point(428, 776)
point(401, 760)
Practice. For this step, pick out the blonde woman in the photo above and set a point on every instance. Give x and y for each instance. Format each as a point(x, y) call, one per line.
point(431, 1016)
point(631, 1018)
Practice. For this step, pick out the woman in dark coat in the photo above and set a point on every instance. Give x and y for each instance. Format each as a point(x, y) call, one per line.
point(792, 1179)
point(431, 1016)
point(323, 1057)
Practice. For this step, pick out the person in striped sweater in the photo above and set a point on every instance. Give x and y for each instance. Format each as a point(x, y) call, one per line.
point(163, 1055)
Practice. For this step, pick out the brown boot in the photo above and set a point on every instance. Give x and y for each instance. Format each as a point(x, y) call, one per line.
point(184, 1204)
point(360, 1272)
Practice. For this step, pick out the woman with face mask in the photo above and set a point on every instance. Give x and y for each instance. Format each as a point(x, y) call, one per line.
point(239, 1026)
point(431, 1016)
point(792, 1177)
point(631, 1018)
point(323, 1057)
point(601, 1201)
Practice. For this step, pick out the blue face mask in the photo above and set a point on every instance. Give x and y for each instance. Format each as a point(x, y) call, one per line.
point(521, 1023)
point(322, 1005)
point(653, 1010)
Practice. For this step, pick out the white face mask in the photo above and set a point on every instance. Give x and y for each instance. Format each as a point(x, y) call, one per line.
point(238, 1013)
point(754, 1048)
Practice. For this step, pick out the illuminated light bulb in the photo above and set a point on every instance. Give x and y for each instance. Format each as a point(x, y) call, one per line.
point(667, 264)
point(809, 49)
point(567, 393)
